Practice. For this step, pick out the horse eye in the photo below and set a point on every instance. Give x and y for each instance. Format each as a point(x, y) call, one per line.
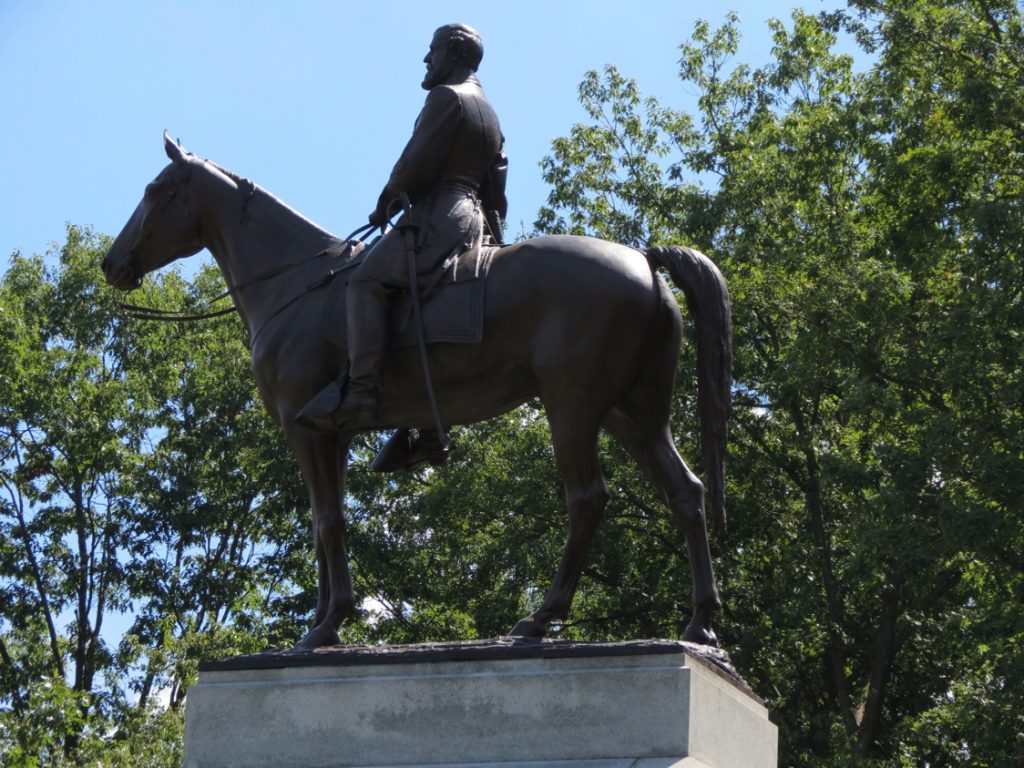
point(151, 190)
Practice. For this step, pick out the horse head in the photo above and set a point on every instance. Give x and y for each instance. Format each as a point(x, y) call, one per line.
point(164, 226)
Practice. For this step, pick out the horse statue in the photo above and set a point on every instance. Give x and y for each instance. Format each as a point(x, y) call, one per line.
point(588, 327)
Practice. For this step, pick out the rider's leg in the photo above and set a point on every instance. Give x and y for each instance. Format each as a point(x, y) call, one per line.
point(367, 305)
point(452, 218)
point(366, 315)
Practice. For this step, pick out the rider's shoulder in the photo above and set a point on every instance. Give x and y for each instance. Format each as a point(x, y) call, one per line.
point(467, 89)
point(443, 97)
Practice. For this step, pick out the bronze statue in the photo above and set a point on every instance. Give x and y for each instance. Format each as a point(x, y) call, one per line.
point(455, 153)
point(587, 326)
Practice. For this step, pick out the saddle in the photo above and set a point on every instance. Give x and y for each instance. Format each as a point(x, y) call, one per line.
point(452, 299)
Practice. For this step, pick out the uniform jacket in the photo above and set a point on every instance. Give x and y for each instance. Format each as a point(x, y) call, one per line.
point(456, 146)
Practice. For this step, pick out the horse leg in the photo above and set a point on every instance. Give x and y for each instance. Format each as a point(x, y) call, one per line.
point(655, 452)
point(323, 460)
point(575, 443)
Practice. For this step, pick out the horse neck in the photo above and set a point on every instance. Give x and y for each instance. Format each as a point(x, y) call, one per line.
point(250, 234)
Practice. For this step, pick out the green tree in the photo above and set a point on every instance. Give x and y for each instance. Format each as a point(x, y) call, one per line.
point(150, 514)
point(66, 429)
point(869, 224)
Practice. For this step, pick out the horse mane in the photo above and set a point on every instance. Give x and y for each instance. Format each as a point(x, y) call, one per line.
point(241, 181)
point(253, 191)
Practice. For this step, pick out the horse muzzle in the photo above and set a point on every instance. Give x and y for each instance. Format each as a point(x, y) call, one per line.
point(120, 274)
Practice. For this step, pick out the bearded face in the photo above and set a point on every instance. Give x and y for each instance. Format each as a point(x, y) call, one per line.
point(440, 60)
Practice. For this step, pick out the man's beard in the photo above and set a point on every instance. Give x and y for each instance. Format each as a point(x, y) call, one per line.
point(434, 77)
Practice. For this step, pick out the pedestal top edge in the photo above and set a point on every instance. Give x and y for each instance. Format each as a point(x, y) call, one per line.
point(496, 649)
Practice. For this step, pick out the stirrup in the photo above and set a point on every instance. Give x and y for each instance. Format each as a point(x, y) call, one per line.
point(406, 450)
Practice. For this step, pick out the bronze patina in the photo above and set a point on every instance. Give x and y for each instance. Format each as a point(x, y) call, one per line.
point(453, 158)
point(586, 326)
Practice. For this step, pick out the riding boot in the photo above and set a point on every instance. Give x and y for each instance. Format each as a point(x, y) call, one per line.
point(355, 398)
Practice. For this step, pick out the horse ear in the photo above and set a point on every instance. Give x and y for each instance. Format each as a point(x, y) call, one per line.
point(175, 151)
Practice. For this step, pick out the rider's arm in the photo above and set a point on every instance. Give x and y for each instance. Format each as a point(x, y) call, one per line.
point(424, 157)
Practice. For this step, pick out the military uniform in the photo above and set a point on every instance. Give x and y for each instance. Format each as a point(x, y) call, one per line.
point(454, 152)
point(452, 171)
point(454, 146)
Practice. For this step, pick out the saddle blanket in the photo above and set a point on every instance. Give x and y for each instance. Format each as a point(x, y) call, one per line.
point(452, 301)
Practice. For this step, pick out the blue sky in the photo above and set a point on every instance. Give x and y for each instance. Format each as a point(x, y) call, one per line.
point(311, 99)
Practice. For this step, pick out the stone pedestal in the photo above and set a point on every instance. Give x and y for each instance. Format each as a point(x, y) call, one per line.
point(500, 704)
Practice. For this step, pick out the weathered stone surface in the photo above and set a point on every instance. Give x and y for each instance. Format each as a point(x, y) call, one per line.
point(496, 649)
point(488, 703)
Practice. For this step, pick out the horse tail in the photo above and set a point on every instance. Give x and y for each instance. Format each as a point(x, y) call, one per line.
point(707, 298)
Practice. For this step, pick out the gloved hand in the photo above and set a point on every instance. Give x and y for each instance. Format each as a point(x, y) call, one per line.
point(380, 216)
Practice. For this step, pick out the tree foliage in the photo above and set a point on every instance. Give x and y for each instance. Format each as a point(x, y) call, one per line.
point(148, 513)
point(869, 222)
point(867, 214)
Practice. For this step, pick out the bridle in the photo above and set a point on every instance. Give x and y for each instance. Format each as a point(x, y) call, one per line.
point(140, 312)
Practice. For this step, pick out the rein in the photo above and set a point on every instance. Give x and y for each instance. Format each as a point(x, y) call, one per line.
point(140, 312)
point(167, 315)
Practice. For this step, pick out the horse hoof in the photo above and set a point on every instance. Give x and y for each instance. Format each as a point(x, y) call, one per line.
point(698, 634)
point(528, 628)
point(319, 637)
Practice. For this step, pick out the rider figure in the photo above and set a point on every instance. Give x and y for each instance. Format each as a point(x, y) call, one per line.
point(452, 173)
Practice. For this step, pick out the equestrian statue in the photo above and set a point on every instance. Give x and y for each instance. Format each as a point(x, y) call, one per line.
point(436, 323)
